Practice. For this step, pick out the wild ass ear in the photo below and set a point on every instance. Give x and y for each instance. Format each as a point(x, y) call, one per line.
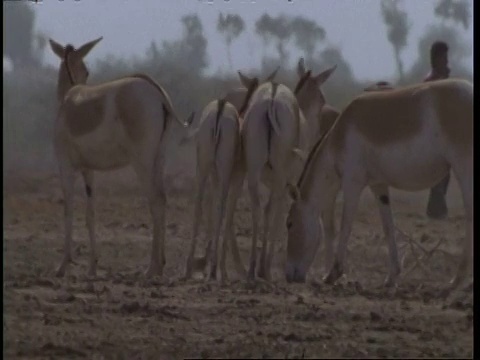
point(323, 76)
point(58, 49)
point(293, 191)
point(245, 80)
point(85, 48)
point(272, 75)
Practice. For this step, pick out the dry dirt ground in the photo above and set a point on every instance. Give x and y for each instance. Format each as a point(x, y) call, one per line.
point(120, 315)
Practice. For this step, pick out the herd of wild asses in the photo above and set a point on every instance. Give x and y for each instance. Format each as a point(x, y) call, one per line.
point(292, 141)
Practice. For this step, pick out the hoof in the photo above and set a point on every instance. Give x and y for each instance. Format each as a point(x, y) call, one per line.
point(334, 274)
point(265, 275)
point(153, 270)
point(251, 274)
point(60, 272)
point(241, 271)
point(212, 276)
point(390, 281)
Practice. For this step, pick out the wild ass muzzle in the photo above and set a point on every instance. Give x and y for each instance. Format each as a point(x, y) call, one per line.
point(109, 126)
point(406, 138)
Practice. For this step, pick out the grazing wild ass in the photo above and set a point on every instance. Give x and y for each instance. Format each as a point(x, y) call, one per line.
point(407, 138)
point(274, 137)
point(109, 126)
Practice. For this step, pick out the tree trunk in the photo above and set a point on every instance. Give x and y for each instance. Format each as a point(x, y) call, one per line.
point(399, 62)
point(229, 55)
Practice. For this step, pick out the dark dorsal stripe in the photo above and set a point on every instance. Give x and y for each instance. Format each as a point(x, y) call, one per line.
point(253, 86)
point(312, 154)
point(221, 105)
point(274, 89)
point(302, 81)
point(68, 50)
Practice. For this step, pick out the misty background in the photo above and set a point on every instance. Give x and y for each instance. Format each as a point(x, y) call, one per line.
point(193, 48)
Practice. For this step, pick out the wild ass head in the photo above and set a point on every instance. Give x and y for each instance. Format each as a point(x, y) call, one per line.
point(72, 70)
point(309, 95)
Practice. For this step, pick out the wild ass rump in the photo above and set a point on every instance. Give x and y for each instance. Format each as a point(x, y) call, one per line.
point(109, 126)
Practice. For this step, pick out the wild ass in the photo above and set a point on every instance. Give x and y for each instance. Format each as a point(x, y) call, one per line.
point(109, 126)
point(218, 137)
point(218, 155)
point(274, 137)
point(407, 138)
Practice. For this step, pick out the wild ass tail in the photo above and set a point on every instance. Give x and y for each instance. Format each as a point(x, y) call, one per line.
point(217, 128)
point(167, 103)
point(272, 116)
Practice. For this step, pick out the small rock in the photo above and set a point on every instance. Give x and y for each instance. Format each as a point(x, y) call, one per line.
point(375, 316)
point(291, 337)
point(131, 307)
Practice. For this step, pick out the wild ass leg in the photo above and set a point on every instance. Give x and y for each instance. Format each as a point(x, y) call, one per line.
point(352, 191)
point(276, 214)
point(329, 227)
point(464, 175)
point(253, 187)
point(230, 238)
point(263, 254)
point(67, 177)
point(202, 177)
point(221, 184)
point(88, 178)
point(153, 184)
point(437, 204)
point(209, 230)
point(226, 164)
point(382, 196)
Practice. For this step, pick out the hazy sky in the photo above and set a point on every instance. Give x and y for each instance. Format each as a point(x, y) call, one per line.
point(129, 26)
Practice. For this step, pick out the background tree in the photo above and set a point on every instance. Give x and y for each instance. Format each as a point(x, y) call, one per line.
point(307, 34)
point(230, 26)
point(398, 27)
point(457, 11)
point(275, 29)
point(18, 22)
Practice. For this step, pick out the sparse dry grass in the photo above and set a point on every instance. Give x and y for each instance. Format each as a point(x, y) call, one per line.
point(122, 316)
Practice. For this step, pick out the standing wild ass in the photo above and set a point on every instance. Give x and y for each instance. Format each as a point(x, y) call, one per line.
point(217, 137)
point(406, 138)
point(218, 154)
point(274, 136)
point(109, 126)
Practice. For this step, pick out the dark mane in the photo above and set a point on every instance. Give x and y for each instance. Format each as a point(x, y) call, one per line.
point(68, 50)
point(253, 86)
point(221, 105)
point(313, 152)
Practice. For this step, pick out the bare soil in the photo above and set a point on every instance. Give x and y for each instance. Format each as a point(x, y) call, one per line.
point(120, 315)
